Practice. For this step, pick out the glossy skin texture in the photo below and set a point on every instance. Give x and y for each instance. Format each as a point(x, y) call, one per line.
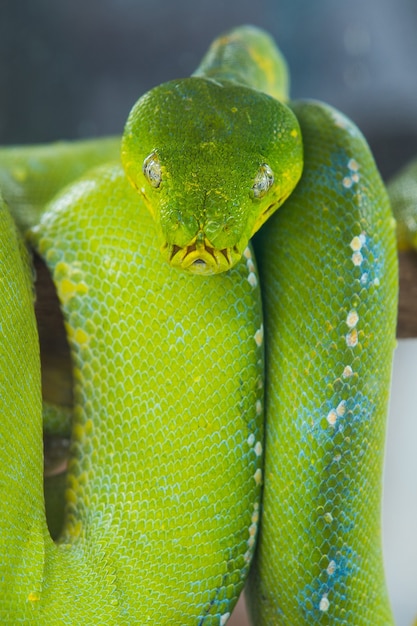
point(329, 290)
point(211, 181)
point(166, 469)
point(159, 480)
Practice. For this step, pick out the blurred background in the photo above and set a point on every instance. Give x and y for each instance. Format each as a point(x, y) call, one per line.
point(73, 70)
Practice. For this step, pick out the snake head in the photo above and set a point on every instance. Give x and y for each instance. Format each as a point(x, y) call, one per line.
point(212, 161)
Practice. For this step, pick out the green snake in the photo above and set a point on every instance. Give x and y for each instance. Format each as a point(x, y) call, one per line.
point(169, 453)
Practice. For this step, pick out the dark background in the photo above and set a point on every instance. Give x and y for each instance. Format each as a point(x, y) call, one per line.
point(71, 69)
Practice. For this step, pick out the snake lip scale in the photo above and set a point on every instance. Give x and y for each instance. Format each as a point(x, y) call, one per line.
point(201, 258)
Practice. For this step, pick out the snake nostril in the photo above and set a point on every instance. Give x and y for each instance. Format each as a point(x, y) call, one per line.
point(199, 262)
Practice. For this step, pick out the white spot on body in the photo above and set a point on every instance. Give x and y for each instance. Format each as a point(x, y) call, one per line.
point(347, 182)
point(356, 244)
point(258, 407)
point(224, 618)
point(341, 408)
point(332, 417)
point(353, 165)
point(259, 336)
point(252, 280)
point(258, 476)
point(352, 318)
point(347, 372)
point(247, 253)
point(352, 338)
point(258, 448)
point(324, 603)
point(251, 439)
point(250, 265)
point(331, 568)
point(357, 258)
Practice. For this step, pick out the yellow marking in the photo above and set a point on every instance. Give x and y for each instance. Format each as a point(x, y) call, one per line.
point(74, 531)
point(233, 110)
point(20, 174)
point(208, 144)
point(265, 64)
point(329, 326)
point(68, 289)
point(34, 596)
point(294, 133)
point(328, 517)
point(70, 496)
point(61, 269)
point(81, 337)
point(78, 431)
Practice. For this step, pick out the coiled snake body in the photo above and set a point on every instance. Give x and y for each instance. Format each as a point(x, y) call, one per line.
point(168, 455)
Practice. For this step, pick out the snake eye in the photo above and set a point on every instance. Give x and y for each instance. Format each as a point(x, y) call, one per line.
point(152, 169)
point(264, 180)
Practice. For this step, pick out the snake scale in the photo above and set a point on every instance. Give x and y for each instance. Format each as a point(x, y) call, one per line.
point(168, 449)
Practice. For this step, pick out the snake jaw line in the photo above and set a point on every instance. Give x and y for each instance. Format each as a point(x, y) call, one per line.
point(200, 257)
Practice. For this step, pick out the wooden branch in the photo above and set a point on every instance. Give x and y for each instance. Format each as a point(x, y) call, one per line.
point(407, 309)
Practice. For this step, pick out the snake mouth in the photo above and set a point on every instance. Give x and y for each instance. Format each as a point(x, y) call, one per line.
point(200, 257)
